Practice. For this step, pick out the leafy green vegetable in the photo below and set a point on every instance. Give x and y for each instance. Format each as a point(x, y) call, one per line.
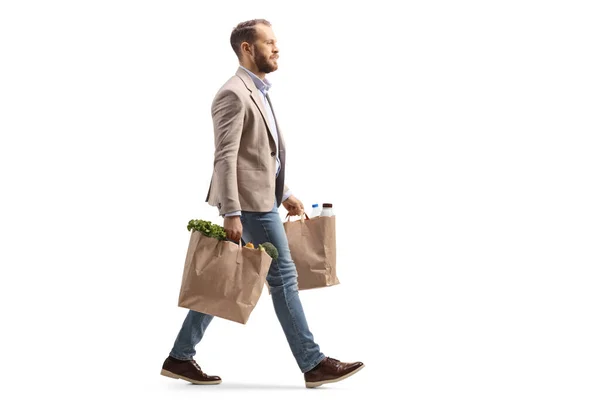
point(216, 231)
point(270, 249)
point(207, 228)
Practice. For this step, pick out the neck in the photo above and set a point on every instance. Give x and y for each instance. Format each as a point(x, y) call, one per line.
point(252, 68)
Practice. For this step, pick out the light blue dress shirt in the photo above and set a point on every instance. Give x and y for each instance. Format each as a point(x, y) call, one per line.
point(263, 87)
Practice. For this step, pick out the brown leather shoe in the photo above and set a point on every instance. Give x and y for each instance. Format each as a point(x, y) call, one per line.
point(188, 371)
point(330, 370)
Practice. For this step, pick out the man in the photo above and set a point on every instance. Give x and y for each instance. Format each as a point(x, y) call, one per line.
point(247, 187)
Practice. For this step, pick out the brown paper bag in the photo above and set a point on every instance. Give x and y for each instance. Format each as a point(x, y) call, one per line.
point(313, 247)
point(222, 278)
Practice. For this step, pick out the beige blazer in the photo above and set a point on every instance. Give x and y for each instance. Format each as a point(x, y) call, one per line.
point(244, 161)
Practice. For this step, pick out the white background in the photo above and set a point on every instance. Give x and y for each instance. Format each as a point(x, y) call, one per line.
point(456, 140)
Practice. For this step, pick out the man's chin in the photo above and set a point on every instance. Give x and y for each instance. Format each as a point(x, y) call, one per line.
point(270, 69)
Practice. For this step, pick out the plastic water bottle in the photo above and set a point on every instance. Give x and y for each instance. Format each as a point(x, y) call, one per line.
point(315, 211)
point(327, 210)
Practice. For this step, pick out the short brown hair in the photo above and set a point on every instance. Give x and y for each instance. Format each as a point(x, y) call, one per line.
point(245, 32)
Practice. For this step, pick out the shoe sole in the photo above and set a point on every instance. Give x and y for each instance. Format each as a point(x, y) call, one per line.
point(169, 374)
point(312, 385)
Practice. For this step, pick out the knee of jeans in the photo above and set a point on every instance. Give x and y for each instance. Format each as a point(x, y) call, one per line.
point(286, 287)
point(288, 279)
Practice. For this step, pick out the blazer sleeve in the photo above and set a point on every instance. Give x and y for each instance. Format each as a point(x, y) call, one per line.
point(228, 119)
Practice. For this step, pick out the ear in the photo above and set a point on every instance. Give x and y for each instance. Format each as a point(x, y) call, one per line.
point(247, 48)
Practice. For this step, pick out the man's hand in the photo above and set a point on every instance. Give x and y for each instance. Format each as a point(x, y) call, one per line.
point(233, 228)
point(293, 206)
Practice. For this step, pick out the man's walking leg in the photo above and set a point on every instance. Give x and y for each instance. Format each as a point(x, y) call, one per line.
point(282, 278)
point(190, 334)
point(181, 364)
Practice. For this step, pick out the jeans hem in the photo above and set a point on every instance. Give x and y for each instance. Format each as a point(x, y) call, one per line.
point(179, 358)
point(311, 366)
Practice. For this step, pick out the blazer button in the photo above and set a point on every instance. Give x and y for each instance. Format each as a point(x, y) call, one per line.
point(272, 154)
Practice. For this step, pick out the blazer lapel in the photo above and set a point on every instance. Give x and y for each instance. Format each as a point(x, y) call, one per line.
point(255, 98)
point(281, 143)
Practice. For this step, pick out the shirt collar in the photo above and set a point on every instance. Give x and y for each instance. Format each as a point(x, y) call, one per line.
point(261, 85)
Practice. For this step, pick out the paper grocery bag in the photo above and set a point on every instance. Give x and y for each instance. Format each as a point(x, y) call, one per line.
point(222, 278)
point(313, 248)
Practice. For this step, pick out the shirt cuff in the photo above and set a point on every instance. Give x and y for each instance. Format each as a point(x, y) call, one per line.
point(231, 214)
point(286, 195)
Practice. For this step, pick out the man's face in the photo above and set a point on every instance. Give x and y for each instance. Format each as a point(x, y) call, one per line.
point(265, 49)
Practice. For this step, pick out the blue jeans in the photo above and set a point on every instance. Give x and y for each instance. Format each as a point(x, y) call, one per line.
point(260, 227)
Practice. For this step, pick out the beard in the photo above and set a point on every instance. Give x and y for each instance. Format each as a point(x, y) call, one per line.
point(263, 63)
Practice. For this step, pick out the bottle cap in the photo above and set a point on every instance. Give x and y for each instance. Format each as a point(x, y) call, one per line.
point(329, 205)
point(315, 205)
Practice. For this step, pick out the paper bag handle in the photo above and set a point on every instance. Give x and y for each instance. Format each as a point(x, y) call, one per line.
point(239, 254)
point(304, 214)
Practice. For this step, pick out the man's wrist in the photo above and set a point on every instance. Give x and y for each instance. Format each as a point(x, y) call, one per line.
point(286, 195)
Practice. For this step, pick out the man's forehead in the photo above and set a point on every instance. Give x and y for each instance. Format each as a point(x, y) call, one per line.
point(265, 32)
